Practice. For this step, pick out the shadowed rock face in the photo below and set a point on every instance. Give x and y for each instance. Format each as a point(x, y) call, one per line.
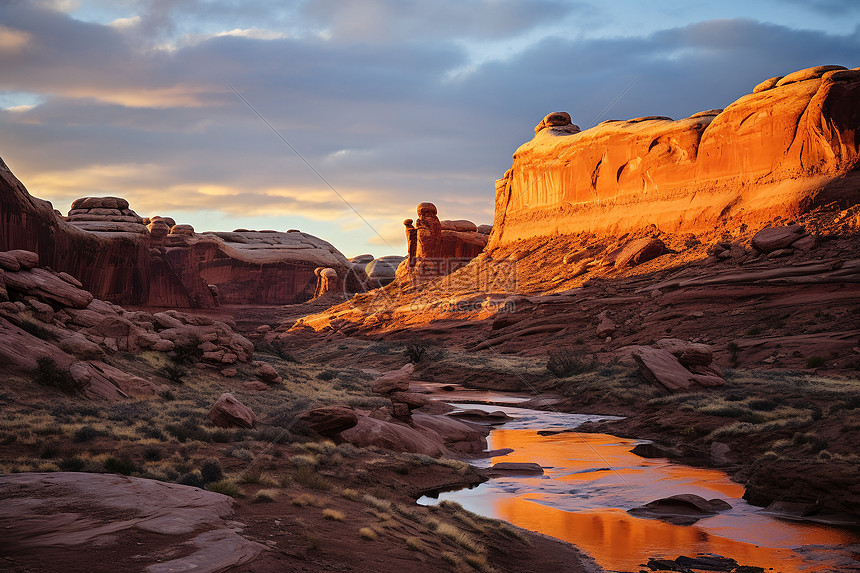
point(777, 152)
point(125, 259)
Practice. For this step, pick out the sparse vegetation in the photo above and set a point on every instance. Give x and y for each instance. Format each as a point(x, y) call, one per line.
point(226, 487)
point(265, 496)
point(48, 373)
point(815, 362)
point(367, 533)
point(564, 363)
point(333, 514)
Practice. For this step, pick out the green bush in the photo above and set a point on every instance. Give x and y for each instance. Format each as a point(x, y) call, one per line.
point(815, 362)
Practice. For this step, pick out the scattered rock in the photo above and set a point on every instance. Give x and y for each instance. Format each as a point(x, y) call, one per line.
point(639, 251)
point(769, 240)
point(682, 509)
point(661, 367)
point(515, 468)
point(331, 420)
point(395, 380)
point(228, 412)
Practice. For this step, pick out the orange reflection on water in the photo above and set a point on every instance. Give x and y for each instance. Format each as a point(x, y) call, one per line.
point(618, 540)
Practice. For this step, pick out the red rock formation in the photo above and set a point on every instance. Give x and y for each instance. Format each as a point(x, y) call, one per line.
point(120, 257)
point(437, 248)
point(777, 152)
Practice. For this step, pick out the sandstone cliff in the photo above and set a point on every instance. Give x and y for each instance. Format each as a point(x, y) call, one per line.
point(129, 260)
point(785, 148)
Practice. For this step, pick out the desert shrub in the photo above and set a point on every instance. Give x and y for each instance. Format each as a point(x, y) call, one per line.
point(211, 471)
point(276, 348)
point(762, 404)
point(416, 350)
point(327, 375)
point(120, 466)
point(174, 372)
point(167, 395)
point(563, 363)
point(192, 478)
point(72, 464)
point(152, 454)
point(226, 487)
point(87, 433)
point(187, 430)
point(48, 373)
point(367, 533)
point(814, 442)
point(415, 544)
point(815, 362)
point(308, 477)
point(265, 496)
point(333, 514)
point(37, 329)
point(187, 353)
point(239, 453)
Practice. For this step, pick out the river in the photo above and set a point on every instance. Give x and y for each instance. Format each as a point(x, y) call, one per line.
point(591, 480)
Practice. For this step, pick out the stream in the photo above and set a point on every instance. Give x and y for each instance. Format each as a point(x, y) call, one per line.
point(591, 480)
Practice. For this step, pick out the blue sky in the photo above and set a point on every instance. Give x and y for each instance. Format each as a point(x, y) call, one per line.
point(393, 102)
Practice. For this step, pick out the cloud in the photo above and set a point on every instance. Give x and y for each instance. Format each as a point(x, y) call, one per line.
point(373, 108)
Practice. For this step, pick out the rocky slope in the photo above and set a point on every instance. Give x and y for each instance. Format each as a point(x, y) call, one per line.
point(59, 333)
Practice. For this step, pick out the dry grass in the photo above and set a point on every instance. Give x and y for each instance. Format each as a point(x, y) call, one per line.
point(265, 495)
point(367, 533)
point(333, 514)
point(305, 499)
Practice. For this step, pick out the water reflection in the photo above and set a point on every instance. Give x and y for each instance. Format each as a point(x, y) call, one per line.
point(592, 479)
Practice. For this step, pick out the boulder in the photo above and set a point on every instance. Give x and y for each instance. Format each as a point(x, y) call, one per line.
point(775, 238)
point(461, 225)
point(158, 229)
point(255, 385)
point(99, 203)
point(457, 435)
point(395, 380)
point(186, 230)
point(331, 420)
point(47, 286)
point(661, 367)
point(267, 373)
point(228, 412)
point(639, 251)
point(515, 469)
point(411, 399)
point(8, 262)
point(26, 259)
point(682, 509)
point(605, 326)
point(688, 353)
point(79, 345)
point(557, 119)
point(394, 436)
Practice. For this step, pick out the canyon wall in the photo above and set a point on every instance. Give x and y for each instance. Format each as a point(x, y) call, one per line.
point(129, 260)
point(782, 150)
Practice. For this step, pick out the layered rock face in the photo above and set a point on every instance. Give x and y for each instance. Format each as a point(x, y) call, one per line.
point(269, 267)
point(123, 258)
point(779, 151)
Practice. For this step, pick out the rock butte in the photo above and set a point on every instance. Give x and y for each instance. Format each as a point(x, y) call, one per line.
point(780, 151)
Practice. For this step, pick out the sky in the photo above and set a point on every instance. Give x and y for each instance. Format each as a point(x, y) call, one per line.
point(337, 117)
